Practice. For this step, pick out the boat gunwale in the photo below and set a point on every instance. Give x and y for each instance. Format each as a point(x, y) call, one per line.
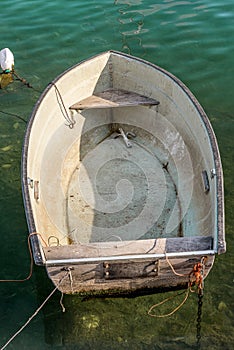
point(219, 246)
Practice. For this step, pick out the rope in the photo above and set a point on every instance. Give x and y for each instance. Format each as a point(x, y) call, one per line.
point(38, 234)
point(31, 261)
point(173, 270)
point(63, 107)
point(61, 302)
point(24, 81)
point(15, 115)
point(35, 313)
point(30, 271)
point(71, 281)
point(194, 277)
point(167, 299)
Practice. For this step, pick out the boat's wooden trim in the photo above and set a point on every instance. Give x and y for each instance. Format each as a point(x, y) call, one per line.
point(114, 98)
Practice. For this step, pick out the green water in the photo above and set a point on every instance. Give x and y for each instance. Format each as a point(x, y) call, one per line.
point(192, 39)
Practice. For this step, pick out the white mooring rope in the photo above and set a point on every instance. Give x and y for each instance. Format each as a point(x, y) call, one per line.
point(35, 313)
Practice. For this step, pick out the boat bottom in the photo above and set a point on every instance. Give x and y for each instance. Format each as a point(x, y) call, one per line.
point(125, 186)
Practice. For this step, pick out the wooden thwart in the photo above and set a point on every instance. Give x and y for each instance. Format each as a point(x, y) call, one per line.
point(114, 98)
point(120, 248)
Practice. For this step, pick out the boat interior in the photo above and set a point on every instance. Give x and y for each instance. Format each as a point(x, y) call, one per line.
point(121, 158)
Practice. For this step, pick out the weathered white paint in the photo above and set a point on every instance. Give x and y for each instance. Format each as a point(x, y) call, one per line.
point(85, 194)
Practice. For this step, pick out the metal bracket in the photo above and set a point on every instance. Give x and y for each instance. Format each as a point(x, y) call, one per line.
point(205, 181)
point(30, 182)
point(213, 173)
point(130, 269)
point(125, 137)
point(36, 190)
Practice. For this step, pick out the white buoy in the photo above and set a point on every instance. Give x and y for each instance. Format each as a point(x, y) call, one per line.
point(6, 59)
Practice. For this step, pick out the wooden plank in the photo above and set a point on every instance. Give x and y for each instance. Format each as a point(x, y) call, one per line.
point(114, 98)
point(100, 249)
point(151, 246)
point(189, 244)
point(126, 277)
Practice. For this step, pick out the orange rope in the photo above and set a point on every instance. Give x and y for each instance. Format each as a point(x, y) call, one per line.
point(195, 277)
point(167, 299)
point(36, 233)
point(173, 270)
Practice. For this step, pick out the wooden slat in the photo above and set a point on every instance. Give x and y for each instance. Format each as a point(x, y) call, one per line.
point(151, 246)
point(189, 244)
point(114, 98)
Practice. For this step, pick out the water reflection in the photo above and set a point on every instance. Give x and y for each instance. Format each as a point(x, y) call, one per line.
point(131, 26)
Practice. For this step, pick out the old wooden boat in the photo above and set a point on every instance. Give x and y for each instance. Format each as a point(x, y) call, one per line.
point(122, 179)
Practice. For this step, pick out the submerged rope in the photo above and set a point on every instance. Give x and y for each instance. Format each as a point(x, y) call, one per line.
point(15, 115)
point(24, 81)
point(167, 299)
point(194, 277)
point(35, 313)
point(30, 270)
point(31, 261)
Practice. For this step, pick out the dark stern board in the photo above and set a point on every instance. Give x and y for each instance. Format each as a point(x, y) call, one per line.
point(114, 98)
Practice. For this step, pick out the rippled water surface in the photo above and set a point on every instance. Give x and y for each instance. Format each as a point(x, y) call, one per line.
point(192, 39)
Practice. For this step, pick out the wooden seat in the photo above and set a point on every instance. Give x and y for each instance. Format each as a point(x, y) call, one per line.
point(128, 248)
point(114, 98)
